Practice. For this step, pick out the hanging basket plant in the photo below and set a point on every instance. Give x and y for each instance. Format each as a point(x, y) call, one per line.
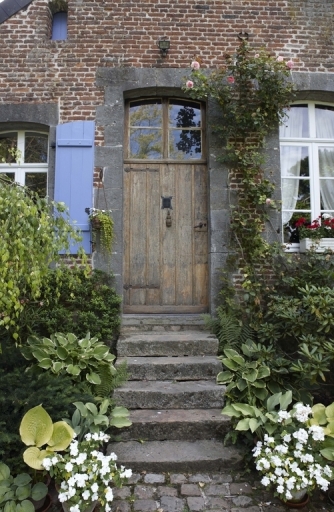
point(102, 223)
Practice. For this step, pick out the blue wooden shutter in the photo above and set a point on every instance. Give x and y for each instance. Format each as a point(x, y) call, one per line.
point(74, 173)
point(59, 26)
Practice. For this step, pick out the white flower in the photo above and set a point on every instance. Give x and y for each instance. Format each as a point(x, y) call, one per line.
point(95, 487)
point(265, 481)
point(302, 412)
point(95, 497)
point(75, 508)
point(69, 466)
point(283, 415)
point(47, 464)
point(109, 494)
point(287, 438)
point(126, 474)
point(62, 496)
point(301, 435)
point(318, 433)
point(86, 495)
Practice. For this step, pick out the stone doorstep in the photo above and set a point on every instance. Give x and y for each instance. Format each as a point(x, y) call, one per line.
point(167, 344)
point(156, 322)
point(172, 368)
point(198, 394)
point(176, 424)
point(162, 456)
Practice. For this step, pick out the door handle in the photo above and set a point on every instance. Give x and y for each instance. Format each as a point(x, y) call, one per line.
point(168, 219)
point(201, 225)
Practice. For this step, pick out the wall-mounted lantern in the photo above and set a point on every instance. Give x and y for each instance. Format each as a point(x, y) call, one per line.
point(163, 45)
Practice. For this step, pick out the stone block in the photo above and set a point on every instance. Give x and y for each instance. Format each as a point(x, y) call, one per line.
point(152, 478)
point(190, 490)
point(143, 492)
point(171, 504)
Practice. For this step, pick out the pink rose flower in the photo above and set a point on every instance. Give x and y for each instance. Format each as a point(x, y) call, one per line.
point(257, 55)
point(230, 79)
point(189, 84)
point(195, 65)
point(279, 59)
point(290, 64)
point(268, 200)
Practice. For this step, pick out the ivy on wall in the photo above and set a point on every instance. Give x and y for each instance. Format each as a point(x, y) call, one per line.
point(252, 92)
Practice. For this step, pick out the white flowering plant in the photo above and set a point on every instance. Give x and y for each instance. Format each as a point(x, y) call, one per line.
point(85, 474)
point(291, 460)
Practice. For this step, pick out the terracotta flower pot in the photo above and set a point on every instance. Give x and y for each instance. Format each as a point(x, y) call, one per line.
point(301, 503)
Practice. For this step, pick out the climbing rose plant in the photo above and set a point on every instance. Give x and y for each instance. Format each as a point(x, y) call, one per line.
point(33, 231)
point(252, 92)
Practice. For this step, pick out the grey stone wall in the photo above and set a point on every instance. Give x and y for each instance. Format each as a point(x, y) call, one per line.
point(120, 84)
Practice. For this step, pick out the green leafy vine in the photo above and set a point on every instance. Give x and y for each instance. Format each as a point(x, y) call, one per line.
point(252, 92)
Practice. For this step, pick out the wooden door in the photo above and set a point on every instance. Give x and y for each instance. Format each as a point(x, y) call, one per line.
point(165, 267)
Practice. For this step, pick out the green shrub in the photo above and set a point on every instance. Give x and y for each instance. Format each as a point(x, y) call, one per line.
point(19, 392)
point(73, 302)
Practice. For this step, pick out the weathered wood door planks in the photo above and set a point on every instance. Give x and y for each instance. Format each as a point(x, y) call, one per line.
point(165, 268)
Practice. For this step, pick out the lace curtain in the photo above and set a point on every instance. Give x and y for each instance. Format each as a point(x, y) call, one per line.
point(290, 162)
point(325, 130)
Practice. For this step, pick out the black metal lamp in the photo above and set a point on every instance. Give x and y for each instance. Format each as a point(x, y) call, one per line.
point(163, 45)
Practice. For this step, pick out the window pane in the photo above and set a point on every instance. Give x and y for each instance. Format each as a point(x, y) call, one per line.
point(9, 175)
point(290, 232)
point(185, 144)
point(326, 162)
point(36, 181)
point(59, 26)
point(326, 172)
point(295, 124)
point(184, 114)
point(36, 148)
point(295, 194)
point(324, 120)
point(145, 143)
point(294, 161)
point(8, 143)
point(146, 113)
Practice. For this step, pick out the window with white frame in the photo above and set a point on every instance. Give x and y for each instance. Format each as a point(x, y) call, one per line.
point(307, 165)
point(28, 163)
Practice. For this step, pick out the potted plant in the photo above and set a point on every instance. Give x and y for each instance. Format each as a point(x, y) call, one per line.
point(102, 223)
point(85, 475)
point(17, 494)
point(318, 234)
point(291, 460)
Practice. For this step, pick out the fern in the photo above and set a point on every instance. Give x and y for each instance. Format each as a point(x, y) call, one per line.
point(111, 378)
point(229, 329)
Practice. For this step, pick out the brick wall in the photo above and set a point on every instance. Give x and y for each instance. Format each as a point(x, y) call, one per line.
point(124, 33)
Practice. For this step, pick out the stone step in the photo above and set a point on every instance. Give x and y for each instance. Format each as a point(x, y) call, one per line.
point(185, 343)
point(175, 424)
point(133, 323)
point(199, 394)
point(179, 456)
point(171, 368)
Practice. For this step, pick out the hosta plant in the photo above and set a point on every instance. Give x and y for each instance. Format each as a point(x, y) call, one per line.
point(90, 418)
point(83, 359)
point(17, 492)
point(259, 421)
point(38, 430)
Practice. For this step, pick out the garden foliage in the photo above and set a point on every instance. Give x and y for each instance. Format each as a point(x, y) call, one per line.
point(33, 232)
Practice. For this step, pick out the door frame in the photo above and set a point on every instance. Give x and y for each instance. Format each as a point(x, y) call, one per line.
point(164, 160)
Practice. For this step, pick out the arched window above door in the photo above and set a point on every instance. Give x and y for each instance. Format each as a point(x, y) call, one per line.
point(165, 129)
